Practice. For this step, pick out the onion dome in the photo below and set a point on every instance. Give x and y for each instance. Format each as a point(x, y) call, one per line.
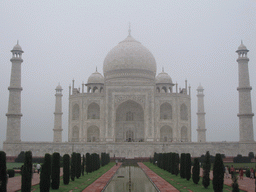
point(242, 47)
point(163, 78)
point(17, 47)
point(95, 78)
point(129, 59)
point(58, 87)
point(200, 87)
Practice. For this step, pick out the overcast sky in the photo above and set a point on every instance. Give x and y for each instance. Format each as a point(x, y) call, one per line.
point(62, 40)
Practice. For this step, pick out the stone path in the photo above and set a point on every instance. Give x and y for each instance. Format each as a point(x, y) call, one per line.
point(101, 182)
point(246, 184)
point(160, 183)
point(14, 183)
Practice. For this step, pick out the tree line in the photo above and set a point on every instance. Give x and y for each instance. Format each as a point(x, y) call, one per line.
point(73, 167)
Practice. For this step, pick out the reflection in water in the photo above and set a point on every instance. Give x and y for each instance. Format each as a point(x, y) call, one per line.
point(138, 181)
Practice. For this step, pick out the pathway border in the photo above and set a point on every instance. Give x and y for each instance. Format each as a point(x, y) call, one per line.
point(159, 182)
point(102, 182)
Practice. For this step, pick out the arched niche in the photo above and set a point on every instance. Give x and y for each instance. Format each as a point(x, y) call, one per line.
point(166, 134)
point(183, 112)
point(93, 111)
point(93, 134)
point(166, 111)
point(129, 122)
point(184, 133)
point(75, 112)
point(75, 134)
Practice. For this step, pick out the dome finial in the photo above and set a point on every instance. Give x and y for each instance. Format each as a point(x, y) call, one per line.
point(17, 42)
point(162, 69)
point(129, 31)
point(96, 69)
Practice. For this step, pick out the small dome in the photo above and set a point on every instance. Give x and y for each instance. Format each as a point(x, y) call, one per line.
point(58, 87)
point(242, 47)
point(129, 59)
point(96, 77)
point(200, 87)
point(17, 47)
point(163, 78)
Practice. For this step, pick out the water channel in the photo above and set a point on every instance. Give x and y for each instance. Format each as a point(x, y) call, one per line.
point(130, 178)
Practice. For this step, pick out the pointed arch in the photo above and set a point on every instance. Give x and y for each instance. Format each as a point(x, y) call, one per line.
point(75, 112)
point(166, 134)
point(93, 134)
point(166, 111)
point(184, 133)
point(93, 111)
point(75, 134)
point(183, 112)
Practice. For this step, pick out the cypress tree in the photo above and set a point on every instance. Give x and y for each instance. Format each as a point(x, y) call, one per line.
point(78, 165)
point(3, 174)
point(45, 175)
point(218, 173)
point(196, 171)
point(173, 163)
point(83, 166)
point(27, 173)
point(169, 162)
point(206, 170)
point(165, 161)
point(88, 163)
point(235, 186)
point(182, 165)
point(188, 166)
point(177, 162)
point(55, 171)
point(66, 162)
point(73, 166)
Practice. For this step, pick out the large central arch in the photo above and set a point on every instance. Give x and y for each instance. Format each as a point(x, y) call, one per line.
point(129, 122)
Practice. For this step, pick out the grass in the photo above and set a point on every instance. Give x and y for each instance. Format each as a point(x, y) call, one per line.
point(182, 184)
point(81, 183)
point(12, 165)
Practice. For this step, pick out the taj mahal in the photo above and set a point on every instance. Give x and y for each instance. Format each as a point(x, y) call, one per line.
point(129, 111)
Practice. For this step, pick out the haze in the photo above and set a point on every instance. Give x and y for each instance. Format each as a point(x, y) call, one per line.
point(62, 40)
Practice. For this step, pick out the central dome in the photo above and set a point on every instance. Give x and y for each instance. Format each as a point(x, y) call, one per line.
point(129, 59)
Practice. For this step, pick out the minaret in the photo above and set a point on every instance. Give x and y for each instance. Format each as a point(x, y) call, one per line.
point(201, 136)
point(14, 106)
point(244, 89)
point(57, 130)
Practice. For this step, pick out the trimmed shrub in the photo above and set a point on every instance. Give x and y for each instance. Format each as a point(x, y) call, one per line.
point(27, 173)
point(206, 170)
point(188, 166)
point(11, 172)
point(55, 171)
point(73, 166)
point(177, 162)
point(196, 171)
point(66, 164)
point(182, 165)
point(88, 163)
point(247, 173)
point(251, 155)
point(82, 168)
point(240, 159)
point(218, 173)
point(20, 158)
point(3, 174)
point(78, 165)
point(45, 176)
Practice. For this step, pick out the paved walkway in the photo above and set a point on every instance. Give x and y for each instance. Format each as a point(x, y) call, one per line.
point(101, 182)
point(14, 183)
point(246, 184)
point(160, 183)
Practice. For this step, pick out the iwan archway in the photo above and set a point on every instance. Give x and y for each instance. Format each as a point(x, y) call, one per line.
point(129, 122)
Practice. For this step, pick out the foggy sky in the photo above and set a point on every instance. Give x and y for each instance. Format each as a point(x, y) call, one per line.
point(62, 40)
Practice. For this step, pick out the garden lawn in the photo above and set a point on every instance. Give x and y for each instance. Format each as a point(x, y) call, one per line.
point(12, 165)
point(81, 183)
point(182, 184)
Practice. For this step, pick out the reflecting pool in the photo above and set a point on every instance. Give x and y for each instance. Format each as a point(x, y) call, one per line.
point(130, 178)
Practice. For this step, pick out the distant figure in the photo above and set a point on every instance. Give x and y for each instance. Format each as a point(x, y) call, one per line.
point(116, 162)
point(241, 173)
point(251, 173)
point(232, 171)
point(38, 167)
point(226, 172)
